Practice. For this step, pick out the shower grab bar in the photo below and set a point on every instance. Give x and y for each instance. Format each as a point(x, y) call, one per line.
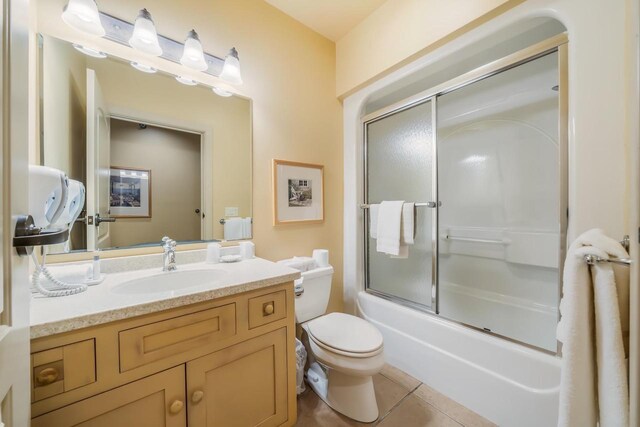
point(593, 259)
point(418, 205)
point(475, 240)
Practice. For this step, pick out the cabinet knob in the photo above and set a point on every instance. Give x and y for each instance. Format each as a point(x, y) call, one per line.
point(176, 406)
point(47, 376)
point(268, 309)
point(197, 396)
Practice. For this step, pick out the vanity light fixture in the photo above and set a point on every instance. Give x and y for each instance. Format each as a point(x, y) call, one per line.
point(143, 67)
point(193, 55)
point(90, 51)
point(231, 68)
point(186, 81)
point(145, 37)
point(83, 15)
point(221, 92)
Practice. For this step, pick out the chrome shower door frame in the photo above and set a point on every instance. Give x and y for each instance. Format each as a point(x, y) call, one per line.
point(556, 44)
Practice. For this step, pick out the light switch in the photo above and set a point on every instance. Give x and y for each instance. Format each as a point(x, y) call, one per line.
point(230, 211)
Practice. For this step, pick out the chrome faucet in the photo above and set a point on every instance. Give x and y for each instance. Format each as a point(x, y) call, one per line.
point(169, 256)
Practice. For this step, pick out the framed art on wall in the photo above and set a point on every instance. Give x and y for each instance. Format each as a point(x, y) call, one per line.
point(298, 192)
point(130, 192)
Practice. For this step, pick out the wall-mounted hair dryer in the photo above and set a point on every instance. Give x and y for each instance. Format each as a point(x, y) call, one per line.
point(48, 194)
point(55, 202)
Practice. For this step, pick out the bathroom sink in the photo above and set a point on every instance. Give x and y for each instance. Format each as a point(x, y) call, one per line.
point(169, 281)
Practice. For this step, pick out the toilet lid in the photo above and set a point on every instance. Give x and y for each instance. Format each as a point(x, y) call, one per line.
point(346, 333)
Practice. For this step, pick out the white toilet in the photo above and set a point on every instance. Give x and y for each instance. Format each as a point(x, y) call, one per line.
point(345, 351)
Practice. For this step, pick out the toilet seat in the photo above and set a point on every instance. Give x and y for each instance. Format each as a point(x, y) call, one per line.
point(346, 335)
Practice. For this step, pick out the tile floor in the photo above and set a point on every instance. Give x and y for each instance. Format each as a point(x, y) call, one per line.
point(403, 401)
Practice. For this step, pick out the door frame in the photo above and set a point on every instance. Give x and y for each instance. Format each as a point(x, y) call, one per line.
point(206, 152)
point(14, 182)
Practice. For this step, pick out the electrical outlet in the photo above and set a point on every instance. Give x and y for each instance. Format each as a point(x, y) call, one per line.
point(230, 211)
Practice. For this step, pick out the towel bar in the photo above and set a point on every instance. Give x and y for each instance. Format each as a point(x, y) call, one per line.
point(593, 259)
point(418, 205)
point(475, 240)
point(223, 221)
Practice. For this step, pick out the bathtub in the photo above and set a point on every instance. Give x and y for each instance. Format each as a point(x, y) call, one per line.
point(507, 383)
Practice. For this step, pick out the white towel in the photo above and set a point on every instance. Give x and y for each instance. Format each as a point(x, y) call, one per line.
point(246, 228)
point(373, 221)
point(407, 229)
point(233, 228)
point(389, 217)
point(593, 379)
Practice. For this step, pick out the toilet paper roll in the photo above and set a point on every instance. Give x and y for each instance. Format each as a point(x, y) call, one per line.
point(213, 253)
point(321, 257)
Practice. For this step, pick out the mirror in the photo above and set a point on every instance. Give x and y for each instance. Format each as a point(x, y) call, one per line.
point(157, 157)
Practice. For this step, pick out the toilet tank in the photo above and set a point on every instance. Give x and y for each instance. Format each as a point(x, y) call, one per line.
point(316, 287)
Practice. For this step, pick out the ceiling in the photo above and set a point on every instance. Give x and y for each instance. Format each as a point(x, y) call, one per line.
point(331, 18)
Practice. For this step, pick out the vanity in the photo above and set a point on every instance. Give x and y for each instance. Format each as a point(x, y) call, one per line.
point(215, 349)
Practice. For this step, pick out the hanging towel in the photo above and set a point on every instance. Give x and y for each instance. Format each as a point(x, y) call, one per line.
point(233, 229)
point(593, 379)
point(389, 217)
point(407, 229)
point(373, 221)
point(246, 228)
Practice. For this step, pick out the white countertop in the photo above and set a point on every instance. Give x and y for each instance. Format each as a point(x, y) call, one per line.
point(99, 304)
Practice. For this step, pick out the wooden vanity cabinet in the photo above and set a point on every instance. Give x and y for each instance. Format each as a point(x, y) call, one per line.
point(222, 363)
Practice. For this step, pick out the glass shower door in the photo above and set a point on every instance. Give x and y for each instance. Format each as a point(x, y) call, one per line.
point(399, 166)
point(499, 182)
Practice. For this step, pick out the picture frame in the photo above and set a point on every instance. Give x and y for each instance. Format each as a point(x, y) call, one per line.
point(129, 192)
point(298, 193)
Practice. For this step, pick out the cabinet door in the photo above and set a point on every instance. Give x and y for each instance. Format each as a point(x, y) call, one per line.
point(153, 401)
point(241, 386)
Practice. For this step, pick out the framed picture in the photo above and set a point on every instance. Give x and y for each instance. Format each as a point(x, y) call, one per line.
point(298, 192)
point(130, 192)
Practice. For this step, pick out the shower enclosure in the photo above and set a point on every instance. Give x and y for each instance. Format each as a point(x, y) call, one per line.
point(484, 158)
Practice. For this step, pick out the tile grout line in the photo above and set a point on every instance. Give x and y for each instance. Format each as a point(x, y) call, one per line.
point(436, 408)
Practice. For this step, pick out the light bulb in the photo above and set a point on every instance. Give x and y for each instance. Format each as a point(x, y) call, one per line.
point(83, 15)
point(143, 67)
point(231, 69)
point(145, 37)
point(221, 92)
point(90, 51)
point(186, 81)
point(192, 55)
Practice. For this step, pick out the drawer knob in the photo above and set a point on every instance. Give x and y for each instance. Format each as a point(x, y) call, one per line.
point(176, 406)
point(197, 396)
point(268, 309)
point(47, 376)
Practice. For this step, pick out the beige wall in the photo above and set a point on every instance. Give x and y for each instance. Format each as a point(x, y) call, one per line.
point(402, 30)
point(64, 91)
point(289, 72)
point(173, 158)
point(64, 98)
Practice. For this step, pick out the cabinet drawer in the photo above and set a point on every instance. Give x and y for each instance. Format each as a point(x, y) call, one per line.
point(150, 343)
point(267, 308)
point(62, 369)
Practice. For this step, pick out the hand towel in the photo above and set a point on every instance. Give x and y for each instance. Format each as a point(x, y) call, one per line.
point(407, 229)
point(593, 379)
point(389, 218)
point(246, 228)
point(233, 229)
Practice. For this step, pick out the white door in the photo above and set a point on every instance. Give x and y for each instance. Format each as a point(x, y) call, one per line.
point(98, 164)
point(14, 271)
